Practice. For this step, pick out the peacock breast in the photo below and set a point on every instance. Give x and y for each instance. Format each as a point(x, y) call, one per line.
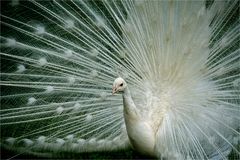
point(141, 135)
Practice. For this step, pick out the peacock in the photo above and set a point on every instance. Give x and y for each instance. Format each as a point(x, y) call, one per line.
point(159, 76)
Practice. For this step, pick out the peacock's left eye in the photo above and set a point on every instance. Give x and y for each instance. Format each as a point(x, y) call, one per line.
point(121, 84)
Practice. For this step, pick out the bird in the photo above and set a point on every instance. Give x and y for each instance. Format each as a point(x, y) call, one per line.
point(160, 77)
point(140, 131)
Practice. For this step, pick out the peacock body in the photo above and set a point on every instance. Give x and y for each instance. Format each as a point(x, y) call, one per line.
point(179, 61)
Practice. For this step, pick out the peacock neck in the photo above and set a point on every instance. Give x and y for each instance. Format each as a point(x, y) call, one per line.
point(129, 106)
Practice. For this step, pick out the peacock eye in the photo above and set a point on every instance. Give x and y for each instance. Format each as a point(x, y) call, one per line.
point(121, 84)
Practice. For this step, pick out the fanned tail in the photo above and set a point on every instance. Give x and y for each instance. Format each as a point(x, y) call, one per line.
point(57, 69)
point(180, 60)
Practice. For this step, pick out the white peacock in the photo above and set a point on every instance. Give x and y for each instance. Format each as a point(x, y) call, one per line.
point(178, 69)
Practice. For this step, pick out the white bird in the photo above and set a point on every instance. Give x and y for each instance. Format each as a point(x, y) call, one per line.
point(141, 131)
point(178, 69)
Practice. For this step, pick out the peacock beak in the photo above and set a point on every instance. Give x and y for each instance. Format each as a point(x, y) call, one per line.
point(114, 90)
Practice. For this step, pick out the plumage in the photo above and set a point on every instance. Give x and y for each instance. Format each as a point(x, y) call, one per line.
point(179, 68)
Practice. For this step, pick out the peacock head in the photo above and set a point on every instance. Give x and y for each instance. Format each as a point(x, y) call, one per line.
point(119, 85)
